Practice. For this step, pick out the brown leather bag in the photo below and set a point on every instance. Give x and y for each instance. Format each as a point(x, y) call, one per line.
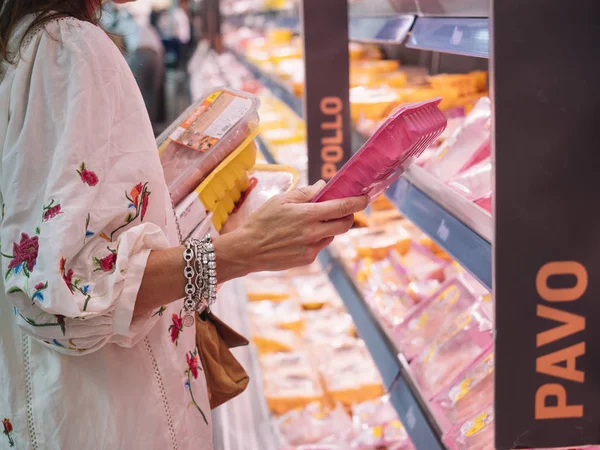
point(225, 376)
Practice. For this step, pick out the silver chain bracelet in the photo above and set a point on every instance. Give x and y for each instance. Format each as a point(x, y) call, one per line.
point(201, 275)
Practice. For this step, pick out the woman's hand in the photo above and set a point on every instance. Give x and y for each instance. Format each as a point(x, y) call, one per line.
point(286, 232)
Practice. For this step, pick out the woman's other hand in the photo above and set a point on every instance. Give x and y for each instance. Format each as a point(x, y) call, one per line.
point(287, 231)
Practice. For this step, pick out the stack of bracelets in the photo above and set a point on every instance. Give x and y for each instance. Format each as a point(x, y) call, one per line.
point(201, 275)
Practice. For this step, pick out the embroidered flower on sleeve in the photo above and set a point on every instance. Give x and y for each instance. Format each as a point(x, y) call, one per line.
point(192, 371)
point(88, 233)
point(39, 291)
point(106, 264)
point(74, 284)
point(176, 327)
point(24, 256)
point(88, 177)
point(8, 429)
point(51, 211)
point(139, 198)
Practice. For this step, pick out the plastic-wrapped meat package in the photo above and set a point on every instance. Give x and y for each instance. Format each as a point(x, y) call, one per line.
point(327, 324)
point(476, 433)
point(407, 132)
point(204, 136)
point(374, 242)
point(290, 381)
point(471, 391)
point(315, 424)
point(271, 339)
point(434, 314)
point(475, 182)
point(421, 264)
point(265, 182)
point(376, 424)
point(452, 351)
point(267, 286)
point(348, 372)
point(420, 290)
point(379, 242)
point(373, 276)
point(286, 314)
point(469, 144)
point(391, 307)
point(316, 291)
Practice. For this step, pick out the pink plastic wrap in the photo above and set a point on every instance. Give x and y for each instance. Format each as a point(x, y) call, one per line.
point(421, 264)
point(471, 391)
point(391, 307)
point(409, 130)
point(475, 182)
point(476, 433)
point(469, 144)
point(452, 351)
point(485, 202)
point(203, 136)
point(313, 425)
point(376, 425)
point(431, 316)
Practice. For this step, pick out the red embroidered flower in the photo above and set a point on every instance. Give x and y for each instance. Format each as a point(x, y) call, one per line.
point(68, 277)
point(192, 361)
point(52, 212)
point(40, 286)
point(25, 252)
point(176, 328)
point(8, 428)
point(108, 262)
point(135, 194)
point(145, 204)
point(87, 176)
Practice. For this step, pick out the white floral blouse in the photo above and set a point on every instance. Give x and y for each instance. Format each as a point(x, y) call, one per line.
point(83, 204)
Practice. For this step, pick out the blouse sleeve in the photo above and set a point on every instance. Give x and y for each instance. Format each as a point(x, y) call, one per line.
point(84, 195)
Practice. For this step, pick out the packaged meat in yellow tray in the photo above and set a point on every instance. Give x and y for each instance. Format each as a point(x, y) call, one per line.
point(266, 286)
point(327, 324)
point(315, 291)
point(286, 314)
point(374, 66)
point(271, 339)
point(348, 372)
point(372, 103)
point(465, 84)
point(290, 381)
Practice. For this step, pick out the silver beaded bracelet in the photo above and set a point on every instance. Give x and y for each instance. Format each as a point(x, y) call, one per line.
point(201, 275)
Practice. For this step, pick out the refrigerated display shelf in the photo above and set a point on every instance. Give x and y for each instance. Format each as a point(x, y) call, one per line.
point(277, 86)
point(243, 423)
point(412, 409)
point(458, 35)
point(459, 226)
point(408, 402)
point(376, 29)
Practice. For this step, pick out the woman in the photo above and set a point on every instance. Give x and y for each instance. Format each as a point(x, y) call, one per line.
point(93, 353)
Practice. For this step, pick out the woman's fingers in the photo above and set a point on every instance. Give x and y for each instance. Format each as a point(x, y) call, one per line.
point(304, 194)
point(332, 228)
point(337, 209)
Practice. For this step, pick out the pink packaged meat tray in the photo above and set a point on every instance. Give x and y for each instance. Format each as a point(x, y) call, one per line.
point(406, 133)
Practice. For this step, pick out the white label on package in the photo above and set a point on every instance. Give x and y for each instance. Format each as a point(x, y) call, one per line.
point(228, 118)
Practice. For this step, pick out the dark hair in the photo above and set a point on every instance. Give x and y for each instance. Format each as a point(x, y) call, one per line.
point(13, 11)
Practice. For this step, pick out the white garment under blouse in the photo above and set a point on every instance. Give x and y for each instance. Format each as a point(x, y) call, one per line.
point(83, 203)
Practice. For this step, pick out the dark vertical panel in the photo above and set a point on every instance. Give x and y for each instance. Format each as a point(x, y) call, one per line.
point(547, 116)
point(327, 105)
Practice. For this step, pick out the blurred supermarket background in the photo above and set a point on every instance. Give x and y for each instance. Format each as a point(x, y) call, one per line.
point(386, 342)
